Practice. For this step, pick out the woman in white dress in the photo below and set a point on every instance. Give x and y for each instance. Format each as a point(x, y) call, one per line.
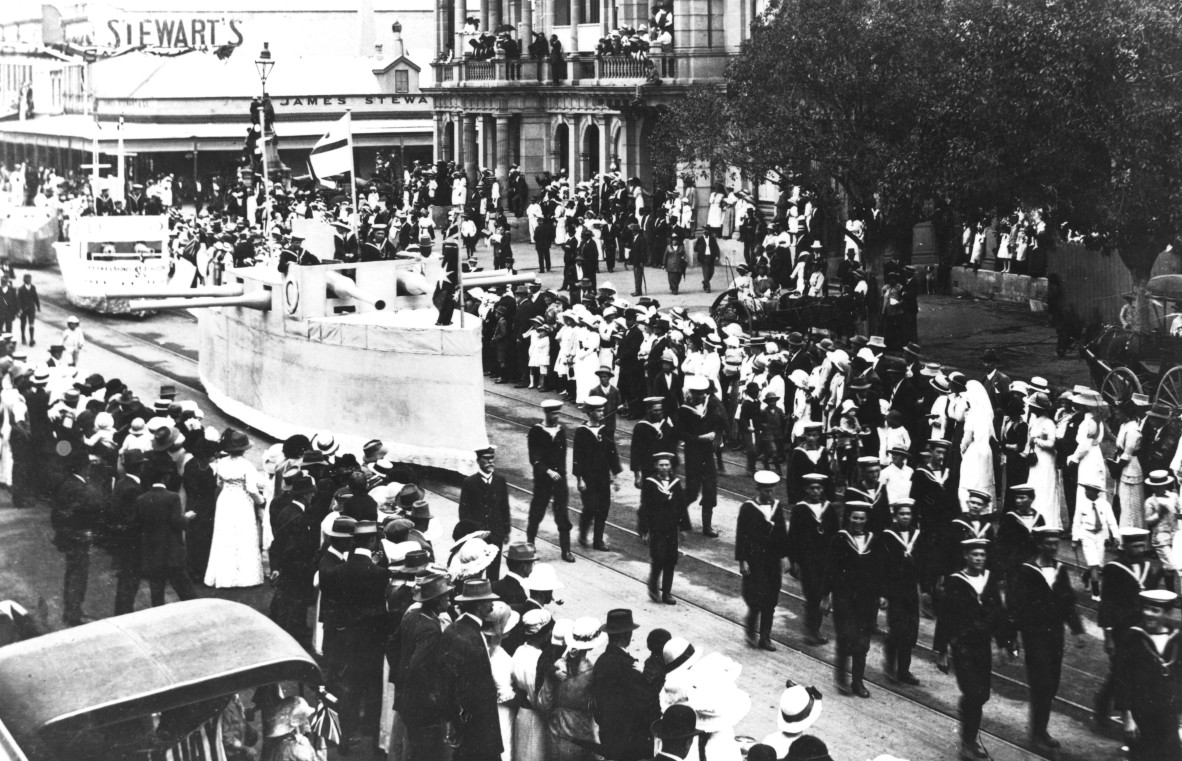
point(1087, 444)
point(1044, 476)
point(235, 556)
point(500, 622)
point(976, 446)
point(459, 189)
point(1130, 491)
point(531, 736)
point(714, 213)
point(586, 357)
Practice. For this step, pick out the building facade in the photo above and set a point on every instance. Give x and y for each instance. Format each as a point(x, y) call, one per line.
point(169, 87)
point(600, 115)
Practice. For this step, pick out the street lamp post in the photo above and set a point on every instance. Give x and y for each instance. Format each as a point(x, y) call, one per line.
point(264, 64)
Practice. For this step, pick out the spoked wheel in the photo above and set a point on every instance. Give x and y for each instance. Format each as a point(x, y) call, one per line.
point(1170, 388)
point(1120, 385)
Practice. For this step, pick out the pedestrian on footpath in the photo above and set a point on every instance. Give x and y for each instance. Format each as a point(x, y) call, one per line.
point(662, 516)
point(1041, 601)
point(761, 547)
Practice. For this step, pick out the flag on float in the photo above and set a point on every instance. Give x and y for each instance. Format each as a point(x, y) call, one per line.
point(333, 153)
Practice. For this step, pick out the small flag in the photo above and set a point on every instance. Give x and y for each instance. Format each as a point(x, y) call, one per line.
point(333, 153)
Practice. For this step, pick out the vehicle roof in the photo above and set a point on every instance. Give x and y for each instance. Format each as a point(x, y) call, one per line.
point(142, 663)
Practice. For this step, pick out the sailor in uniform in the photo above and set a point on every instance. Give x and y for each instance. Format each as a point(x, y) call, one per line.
point(1148, 667)
point(653, 434)
point(1121, 583)
point(901, 561)
point(1015, 531)
point(1041, 601)
point(811, 527)
point(852, 583)
point(663, 514)
point(595, 463)
point(977, 523)
point(970, 614)
point(547, 456)
point(761, 546)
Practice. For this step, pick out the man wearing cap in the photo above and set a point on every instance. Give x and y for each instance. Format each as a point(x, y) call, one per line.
point(1041, 601)
point(1121, 583)
point(970, 614)
point(811, 527)
point(624, 706)
point(936, 502)
point(1015, 531)
point(416, 645)
point(355, 592)
point(467, 687)
point(293, 562)
point(1095, 525)
point(547, 456)
point(662, 515)
point(484, 500)
point(902, 560)
point(698, 431)
point(852, 582)
point(667, 381)
point(610, 394)
point(1149, 672)
point(595, 462)
point(652, 435)
point(761, 546)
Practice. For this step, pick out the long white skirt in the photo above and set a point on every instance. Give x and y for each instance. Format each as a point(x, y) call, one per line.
point(235, 559)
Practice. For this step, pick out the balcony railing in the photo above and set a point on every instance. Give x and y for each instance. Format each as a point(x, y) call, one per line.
point(580, 69)
point(480, 71)
point(621, 67)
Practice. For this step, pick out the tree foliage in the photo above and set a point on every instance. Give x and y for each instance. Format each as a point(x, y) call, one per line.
point(1071, 107)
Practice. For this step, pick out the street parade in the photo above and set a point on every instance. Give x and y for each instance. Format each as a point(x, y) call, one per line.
point(505, 445)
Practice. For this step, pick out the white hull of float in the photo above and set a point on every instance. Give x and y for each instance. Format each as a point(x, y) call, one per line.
point(27, 236)
point(90, 269)
point(393, 374)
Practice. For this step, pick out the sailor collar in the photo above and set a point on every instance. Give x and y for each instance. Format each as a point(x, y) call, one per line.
point(908, 542)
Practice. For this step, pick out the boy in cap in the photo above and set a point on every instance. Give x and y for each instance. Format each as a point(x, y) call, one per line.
point(773, 428)
point(662, 515)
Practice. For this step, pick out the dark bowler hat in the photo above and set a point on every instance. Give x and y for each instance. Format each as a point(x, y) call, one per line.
point(302, 484)
point(417, 562)
point(679, 721)
point(619, 621)
point(133, 457)
point(476, 590)
point(431, 588)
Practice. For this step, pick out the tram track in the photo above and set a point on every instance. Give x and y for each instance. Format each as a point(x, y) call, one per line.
point(708, 567)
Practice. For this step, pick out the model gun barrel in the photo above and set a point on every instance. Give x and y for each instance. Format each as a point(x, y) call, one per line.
point(260, 300)
point(342, 286)
point(166, 293)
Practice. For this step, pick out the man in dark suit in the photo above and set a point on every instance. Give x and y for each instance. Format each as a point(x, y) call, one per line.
point(588, 258)
point(527, 308)
point(162, 538)
point(340, 541)
point(625, 707)
point(293, 556)
point(638, 256)
point(666, 382)
point(418, 696)
point(360, 506)
point(543, 239)
point(513, 587)
point(123, 533)
point(470, 693)
point(77, 509)
point(356, 593)
point(9, 305)
point(484, 500)
point(632, 386)
point(611, 395)
point(28, 304)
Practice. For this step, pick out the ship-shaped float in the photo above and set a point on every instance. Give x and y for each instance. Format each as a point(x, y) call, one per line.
point(109, 254)
point(347, 348)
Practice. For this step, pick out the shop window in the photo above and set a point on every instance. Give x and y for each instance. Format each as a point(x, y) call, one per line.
point(401, 80)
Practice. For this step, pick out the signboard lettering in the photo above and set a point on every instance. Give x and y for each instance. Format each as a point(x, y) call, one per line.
point(306, 101)
point(177, 32)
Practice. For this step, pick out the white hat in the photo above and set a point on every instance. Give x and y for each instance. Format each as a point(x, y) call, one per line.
point(608, 287)
point(543, 579)
point(697, 383)
point(766, 478)
point(560, 631)
point(799, 708)
point(473, 557)
point(678, 654)
point(799, 378)
point(552, 404)
point(585, 634)
point(325, 443)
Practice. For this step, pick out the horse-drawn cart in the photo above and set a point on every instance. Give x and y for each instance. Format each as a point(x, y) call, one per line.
point(837, 315)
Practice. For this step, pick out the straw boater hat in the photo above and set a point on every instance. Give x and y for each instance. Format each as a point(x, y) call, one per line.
point(1159, 478)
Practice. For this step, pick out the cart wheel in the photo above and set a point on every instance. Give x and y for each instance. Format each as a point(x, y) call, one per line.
point(1170, 388)
point(1120, 384)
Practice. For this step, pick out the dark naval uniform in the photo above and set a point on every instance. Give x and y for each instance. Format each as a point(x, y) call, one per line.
point(902, 562)
point(663, 514)
point(761, 541)
point(595, 460)
point(808, 546)
point(547, 451)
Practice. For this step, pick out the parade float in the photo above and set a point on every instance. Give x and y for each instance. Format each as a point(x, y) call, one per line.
point(350, 348)
point(27, 235)
point(108, 254)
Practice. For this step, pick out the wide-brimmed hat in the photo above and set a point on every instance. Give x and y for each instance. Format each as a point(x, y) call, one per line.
point(501, 619)
point(342, 526)
point(236, 442)
point(431, 587)
point(800, 707)
point(544, 579)
point(473, 557)
point(522, 552)
point(719, 704)
point(476, 590)
point(325, 443)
